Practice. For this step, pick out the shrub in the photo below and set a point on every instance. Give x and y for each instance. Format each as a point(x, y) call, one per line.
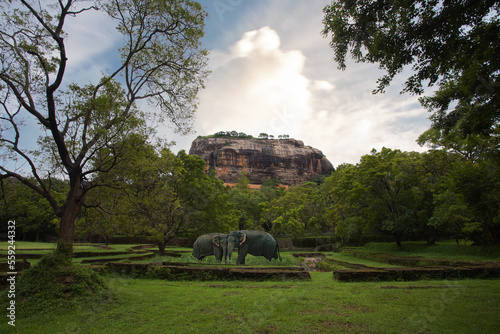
point(54, 280)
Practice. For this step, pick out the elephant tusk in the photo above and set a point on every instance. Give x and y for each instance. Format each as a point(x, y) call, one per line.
point(216, 244)
point(244, 238)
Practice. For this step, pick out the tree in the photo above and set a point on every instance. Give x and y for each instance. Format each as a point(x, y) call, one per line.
point(247, 203)
point(272, 189)
point(478, 185)
point(204, 198)
point(350, 211)
point(32, 212)
point(161, 62)
point(160, 194)
point(153, 199)
point(297, 211)
point(451, 44)
point(382, 192)
point(390, 177)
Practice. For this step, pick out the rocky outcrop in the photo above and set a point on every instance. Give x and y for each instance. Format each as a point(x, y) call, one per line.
point(287, 160)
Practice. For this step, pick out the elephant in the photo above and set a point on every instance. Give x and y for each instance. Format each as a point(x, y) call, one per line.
point(258, 243)
point(210, 244)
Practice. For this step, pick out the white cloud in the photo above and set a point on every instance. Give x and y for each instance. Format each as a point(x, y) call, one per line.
point(256, 87)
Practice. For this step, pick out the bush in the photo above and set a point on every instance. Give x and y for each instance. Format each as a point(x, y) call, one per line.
point(54, 281)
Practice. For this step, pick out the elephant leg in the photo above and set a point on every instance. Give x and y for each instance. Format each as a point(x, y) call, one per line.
point(241, 257)
point(218, 254)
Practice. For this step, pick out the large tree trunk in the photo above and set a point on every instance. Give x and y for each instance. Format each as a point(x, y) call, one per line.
point(161, 248)
point(69, 215)
point(495, 234)
point(398, 241)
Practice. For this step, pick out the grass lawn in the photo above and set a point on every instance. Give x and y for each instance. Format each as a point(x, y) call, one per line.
point(4, 245)
point(320, 305)
point(351, 259)
point(317, 306)
point(447, 249)
point(77, 247)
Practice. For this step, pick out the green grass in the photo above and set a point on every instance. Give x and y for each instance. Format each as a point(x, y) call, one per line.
point(77, 247)
point(321, 305)
point(445, 249)
point(28, 245)
point(318, 306)
point(350, 259)
point(124, 257)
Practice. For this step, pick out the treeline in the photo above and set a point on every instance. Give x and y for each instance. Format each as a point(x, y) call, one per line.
point(404, 195)
point(236, 134)
point(152, 192)
point(34, 216)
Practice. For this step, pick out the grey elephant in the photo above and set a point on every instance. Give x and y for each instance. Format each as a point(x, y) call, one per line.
point(258, 243)
point(210, 244)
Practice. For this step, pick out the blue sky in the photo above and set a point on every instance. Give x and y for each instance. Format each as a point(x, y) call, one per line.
point(272, 72)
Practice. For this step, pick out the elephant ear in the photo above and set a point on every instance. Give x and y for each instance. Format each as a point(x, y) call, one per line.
point(244, 239)
point(214, 240)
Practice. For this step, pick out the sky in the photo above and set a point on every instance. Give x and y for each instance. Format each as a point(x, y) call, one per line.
point(273, 72)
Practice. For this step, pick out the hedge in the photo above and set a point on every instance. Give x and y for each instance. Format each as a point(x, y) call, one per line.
point(205, 273)
point(415, 274)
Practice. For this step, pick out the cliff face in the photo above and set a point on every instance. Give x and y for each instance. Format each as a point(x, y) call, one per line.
point(287, 160)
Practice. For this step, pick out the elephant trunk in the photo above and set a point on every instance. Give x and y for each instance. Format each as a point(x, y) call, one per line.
point(224, 252)
point(230, 247)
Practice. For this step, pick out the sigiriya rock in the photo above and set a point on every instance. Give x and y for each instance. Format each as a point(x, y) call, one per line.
point(286, 160)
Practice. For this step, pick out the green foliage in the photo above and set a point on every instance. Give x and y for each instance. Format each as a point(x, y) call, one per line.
point(160, 194)
point(236, 134)
point(229, 134)
point(407, 194)
point(459, 57)
point(32, 212)
point(350, 229)
point(272, 189)
point(247, 204)
point(162, 61)
point(55, 281)
point(297, 211)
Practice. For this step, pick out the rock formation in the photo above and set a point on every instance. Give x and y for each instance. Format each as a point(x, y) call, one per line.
point(286, 160)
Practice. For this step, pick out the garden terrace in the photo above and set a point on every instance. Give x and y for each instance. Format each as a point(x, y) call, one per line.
point(206, 273)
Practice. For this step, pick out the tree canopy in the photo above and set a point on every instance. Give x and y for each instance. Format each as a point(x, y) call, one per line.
point(451, 44)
